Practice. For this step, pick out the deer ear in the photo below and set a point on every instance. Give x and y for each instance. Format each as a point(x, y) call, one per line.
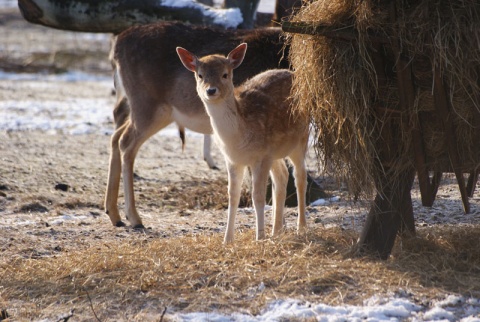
point(236, 56)
point(188, 59)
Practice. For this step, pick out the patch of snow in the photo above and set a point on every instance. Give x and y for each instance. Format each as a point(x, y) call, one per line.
point(322, 202)
point(374, 309)
point(72, 76)
point(266, 6)
point(451, 300)
point(73, 115)
point(8, 4)
point(228, 18)
point(66, 218)
point(438, 314)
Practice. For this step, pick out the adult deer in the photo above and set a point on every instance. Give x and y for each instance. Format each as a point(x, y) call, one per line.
point(121, 113)
point(254, 126)
point(159, 91)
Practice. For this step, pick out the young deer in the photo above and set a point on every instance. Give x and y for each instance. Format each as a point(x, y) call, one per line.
point(253, 126)
point(155, 90)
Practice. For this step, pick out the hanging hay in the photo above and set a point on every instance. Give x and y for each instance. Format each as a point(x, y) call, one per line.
point(361, 130)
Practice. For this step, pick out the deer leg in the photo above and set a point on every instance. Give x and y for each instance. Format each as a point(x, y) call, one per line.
point(300, 174)
point(207, 156)
point(279, 174)
point(130, 142)
point(235, 179)
point(259, 189)
point(121, 114)
point(138, 129)
point(114, 171)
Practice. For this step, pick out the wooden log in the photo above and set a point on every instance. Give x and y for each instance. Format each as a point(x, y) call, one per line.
point(474, 173)
point(344, 33)
point(428, 188)
point(406, 89)
point(114, 16)
point(472, 181)
point(442, 105)
point(391, 212)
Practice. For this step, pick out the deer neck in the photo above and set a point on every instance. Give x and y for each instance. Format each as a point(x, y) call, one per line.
point(224, 118)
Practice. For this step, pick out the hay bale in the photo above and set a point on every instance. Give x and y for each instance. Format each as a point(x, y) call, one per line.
point(336, 83)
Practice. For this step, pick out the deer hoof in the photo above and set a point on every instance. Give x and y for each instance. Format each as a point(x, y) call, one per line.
point(120, 224)
point(228, 241)
point(139, 226)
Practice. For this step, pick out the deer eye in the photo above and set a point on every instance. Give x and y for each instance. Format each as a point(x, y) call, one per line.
point(200, 76)
point(225, 75)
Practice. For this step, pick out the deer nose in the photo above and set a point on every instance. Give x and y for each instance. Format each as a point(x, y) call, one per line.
point(211, 91)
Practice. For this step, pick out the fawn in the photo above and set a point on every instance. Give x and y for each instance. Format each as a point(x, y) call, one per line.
point(253, 126)
point(154, 90)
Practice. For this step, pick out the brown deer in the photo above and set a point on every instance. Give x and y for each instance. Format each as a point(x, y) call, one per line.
point(121, 113)
point(156, 90)
point(254, 127)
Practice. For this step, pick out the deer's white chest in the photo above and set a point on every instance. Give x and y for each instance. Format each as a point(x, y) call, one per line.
point(230, 137)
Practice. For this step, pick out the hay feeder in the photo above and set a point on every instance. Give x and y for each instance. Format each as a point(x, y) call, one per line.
point(416, 108)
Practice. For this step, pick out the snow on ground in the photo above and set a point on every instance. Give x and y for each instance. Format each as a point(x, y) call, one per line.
point(71, 115)
point(8, 3)
point(452, 308)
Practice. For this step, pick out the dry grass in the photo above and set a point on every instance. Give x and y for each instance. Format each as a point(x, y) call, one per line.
point(203, 195)
point(199, 273)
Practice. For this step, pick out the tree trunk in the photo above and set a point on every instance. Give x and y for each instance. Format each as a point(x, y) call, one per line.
point(114, 16)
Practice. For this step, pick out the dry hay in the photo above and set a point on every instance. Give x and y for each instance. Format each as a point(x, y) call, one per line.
point(198, 272)
point(196, 195)
point(337, 84)
point(189, 195)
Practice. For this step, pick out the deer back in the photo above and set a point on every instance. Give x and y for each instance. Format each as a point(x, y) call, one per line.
point(264, 105)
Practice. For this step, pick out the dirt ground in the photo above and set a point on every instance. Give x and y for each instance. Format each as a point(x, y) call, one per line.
point(52, 183)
